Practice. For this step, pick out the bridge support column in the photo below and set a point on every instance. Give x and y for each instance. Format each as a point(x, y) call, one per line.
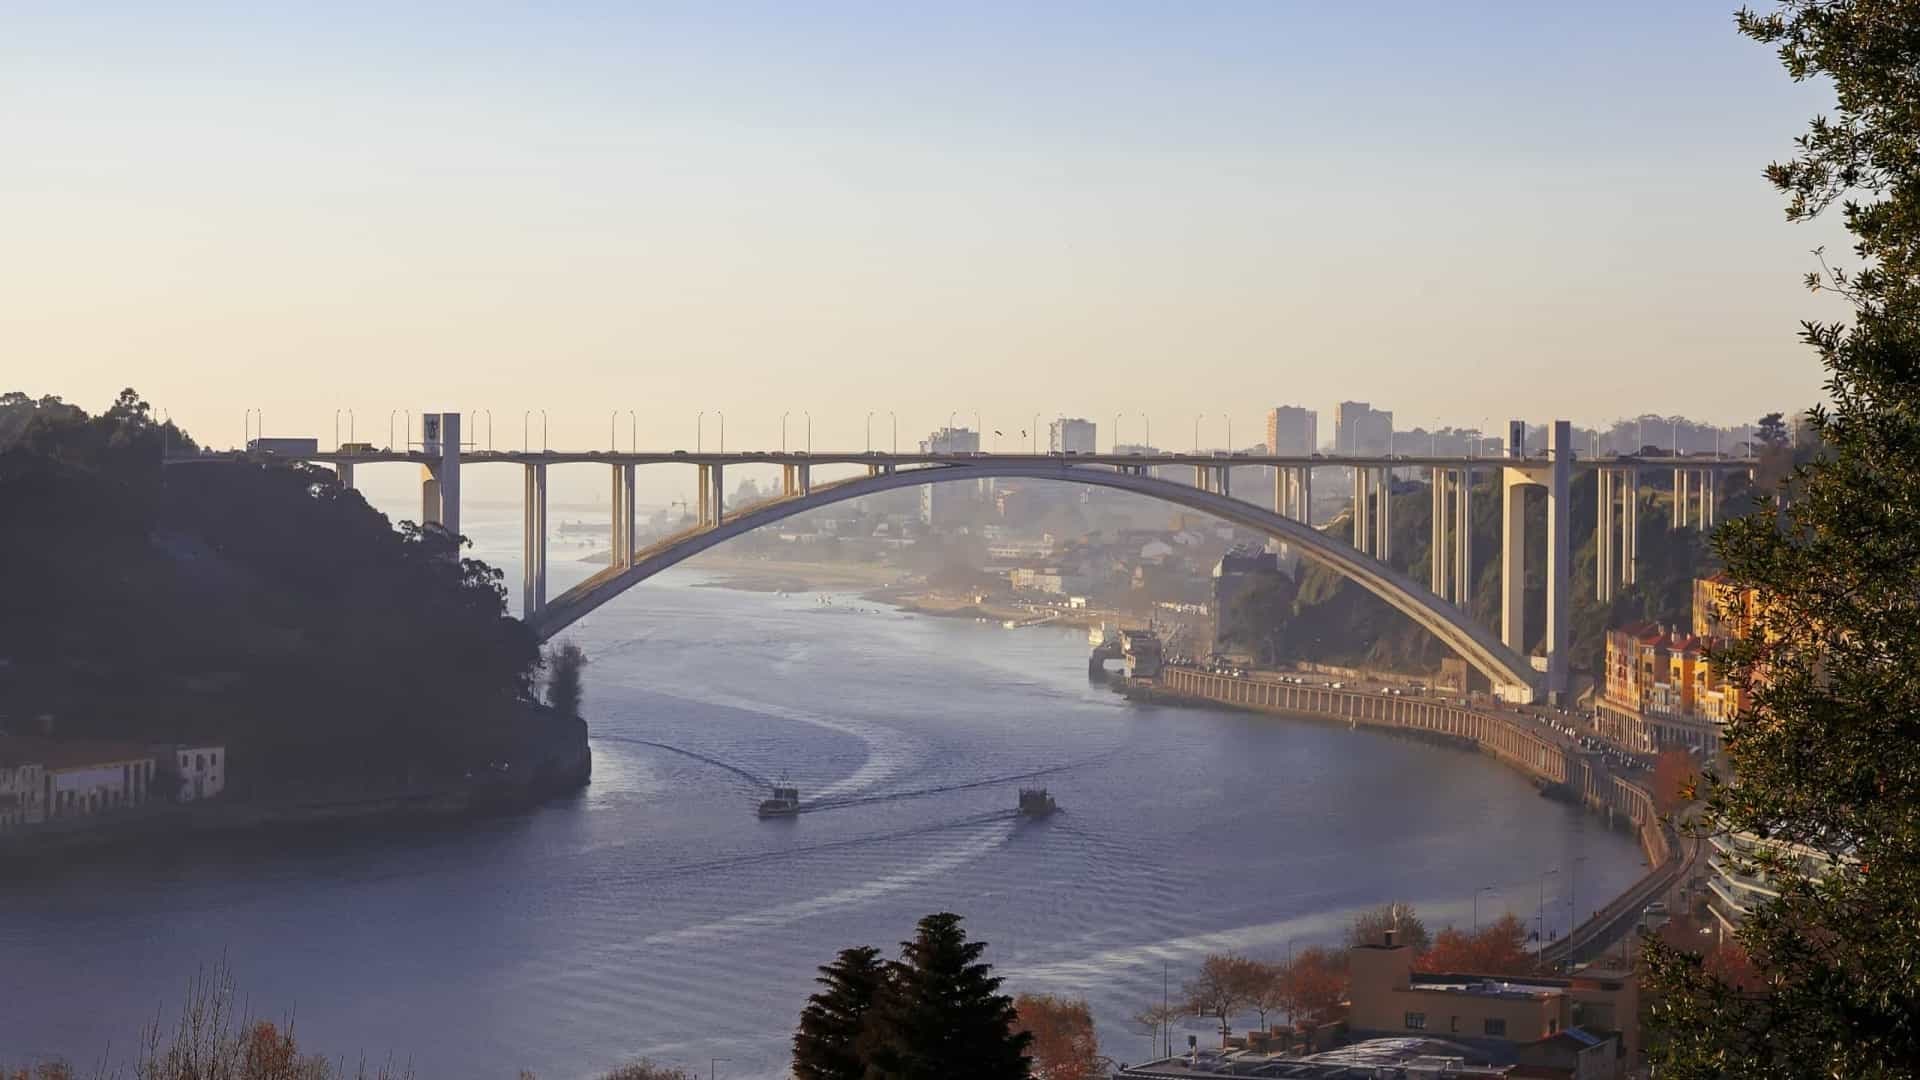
point(1361, 534)
point(343, 471)
point(1306, 495)
point(1709, 499)
point(1603, 535)
point(1679, 498)
point(624, 522)
point(1224, 481)
point(717, 500)
point(1630, 533)
point(1383, 517)
point(704, 485)
point(440, 481)
point(1437, 530)
point(1559, 558)
point(533, 543)
point(1513, 559)
point(1463, 541)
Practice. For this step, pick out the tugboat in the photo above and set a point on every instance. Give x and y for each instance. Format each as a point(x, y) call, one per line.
point(784, 803)
point(1036, 803)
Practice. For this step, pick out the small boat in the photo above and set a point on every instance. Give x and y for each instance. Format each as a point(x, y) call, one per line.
point(1036, 803)
point(784, 803)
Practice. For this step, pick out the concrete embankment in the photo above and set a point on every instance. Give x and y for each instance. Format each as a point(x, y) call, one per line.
point(1560, 766)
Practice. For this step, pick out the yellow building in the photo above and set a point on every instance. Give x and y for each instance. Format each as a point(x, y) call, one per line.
point(1389, 998)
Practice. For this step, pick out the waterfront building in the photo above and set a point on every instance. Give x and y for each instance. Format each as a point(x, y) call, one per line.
point(75, 778)
point(1292, 430)
point(200, 770)
point(1050, 580)
point(1507, 1016)
point(21, 788)
point(1072, 436)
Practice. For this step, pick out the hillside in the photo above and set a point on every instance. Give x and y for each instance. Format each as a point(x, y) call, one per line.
point(265, 607)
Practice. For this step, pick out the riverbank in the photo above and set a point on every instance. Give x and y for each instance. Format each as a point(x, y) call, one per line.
point(1560, 768)
point(551, 757)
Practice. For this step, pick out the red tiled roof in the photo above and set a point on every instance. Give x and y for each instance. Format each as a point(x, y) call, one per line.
point(57, 754)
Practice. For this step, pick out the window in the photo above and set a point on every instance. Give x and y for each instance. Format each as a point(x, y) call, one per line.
point(199, 762)
point(1454, 1025)
point(1496, 1026)
point(1416, 1021)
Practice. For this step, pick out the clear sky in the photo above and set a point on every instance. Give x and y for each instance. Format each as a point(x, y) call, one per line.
point(1462, 211)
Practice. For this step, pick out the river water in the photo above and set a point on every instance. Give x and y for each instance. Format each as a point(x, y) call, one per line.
point(654, 915)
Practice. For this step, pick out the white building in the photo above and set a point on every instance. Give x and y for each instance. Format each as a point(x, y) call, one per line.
point(945, 503)
point(1072, 436)
point(202, 771)
point(21, 793)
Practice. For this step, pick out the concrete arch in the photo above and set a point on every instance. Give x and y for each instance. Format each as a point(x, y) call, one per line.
point(1476, 645)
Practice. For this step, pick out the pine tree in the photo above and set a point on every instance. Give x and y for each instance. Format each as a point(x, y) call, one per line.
point(825, 1046)
point(1825, 753)
point(943, 1017)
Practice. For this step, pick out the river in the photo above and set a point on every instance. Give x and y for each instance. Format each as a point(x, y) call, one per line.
point(654, 915)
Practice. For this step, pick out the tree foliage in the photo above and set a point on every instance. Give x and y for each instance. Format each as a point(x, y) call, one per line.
point(1316, 984)
point(1370, 927)
point(564, 665)
point(1220, 990)
point(1824, 752)
point(1064, 1045)
point(1498, 948)
point(263, 606)
point(936, 1013)
point(825, 1046)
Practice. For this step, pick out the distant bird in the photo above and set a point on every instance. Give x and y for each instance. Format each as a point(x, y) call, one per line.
point(1002, 433)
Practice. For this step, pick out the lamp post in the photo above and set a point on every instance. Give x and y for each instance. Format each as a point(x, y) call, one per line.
point(1542, 916)
point(723, 429)
point(613, 432)
point(1146, 430)
point(699, 422)
point(869, 431)
point(526, 425)
point(809, 416)
point(1196, 433)
point(633, 432)
point(1116, 433)
point(543, 430)
point(712, 1063)
point(1035, 429)
point(896, 430)
point(783, 433)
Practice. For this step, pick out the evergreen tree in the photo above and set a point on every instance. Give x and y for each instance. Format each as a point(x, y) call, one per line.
point(1826, 751)
point(826, 1045)
point(943, 1016)
point(564, 690)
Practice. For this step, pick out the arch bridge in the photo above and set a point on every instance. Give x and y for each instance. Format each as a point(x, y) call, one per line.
point(1442, 605)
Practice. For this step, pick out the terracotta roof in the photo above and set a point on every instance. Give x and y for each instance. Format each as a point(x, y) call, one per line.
point(58, 754)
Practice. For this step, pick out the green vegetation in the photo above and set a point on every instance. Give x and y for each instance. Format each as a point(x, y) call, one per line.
point(1824, 754)
point(936, 1013)
point(262, 606)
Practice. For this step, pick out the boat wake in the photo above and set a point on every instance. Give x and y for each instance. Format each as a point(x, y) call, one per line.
point(894, 796)
point(979, 839)
point(751, 777)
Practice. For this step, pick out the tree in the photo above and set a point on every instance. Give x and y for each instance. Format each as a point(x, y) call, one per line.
point(1771, 431)
point(943, 1015)
point(647, 1070)
point(1316, 985)
point(1064, 1045)
point(1156, 1021)
point(1676, 777)
point(826, 1045)
point(1498, 948)
point(564, 693)
point(1220, 990)
point(1822, 753)
point(1370, 927)
point(1268, 990)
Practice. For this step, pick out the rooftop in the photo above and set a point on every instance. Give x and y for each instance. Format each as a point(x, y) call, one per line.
point(55, 754)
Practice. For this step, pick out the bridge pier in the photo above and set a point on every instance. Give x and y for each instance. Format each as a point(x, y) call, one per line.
point(440, 480)
point(343, 471)
point(533, 543)
point(1630, 535)
point(1362, 532)
point(1513, 558)
point(1383, 515)
point(1463, 539)
point(1437, 530)
point(1559, 557)
point(1680, 477)
point(624, 522)
point(1603, 526)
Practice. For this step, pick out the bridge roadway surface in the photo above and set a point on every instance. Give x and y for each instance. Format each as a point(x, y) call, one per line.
point(885, 458)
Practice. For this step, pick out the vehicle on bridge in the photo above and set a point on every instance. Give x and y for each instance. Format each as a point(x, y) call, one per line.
point(784, 803)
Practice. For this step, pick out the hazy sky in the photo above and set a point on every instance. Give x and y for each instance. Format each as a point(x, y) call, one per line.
point(1464, 210)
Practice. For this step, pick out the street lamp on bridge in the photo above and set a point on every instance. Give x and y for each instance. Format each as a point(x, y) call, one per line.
point(783, 432)
point(699, 419)
point(869, 431)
